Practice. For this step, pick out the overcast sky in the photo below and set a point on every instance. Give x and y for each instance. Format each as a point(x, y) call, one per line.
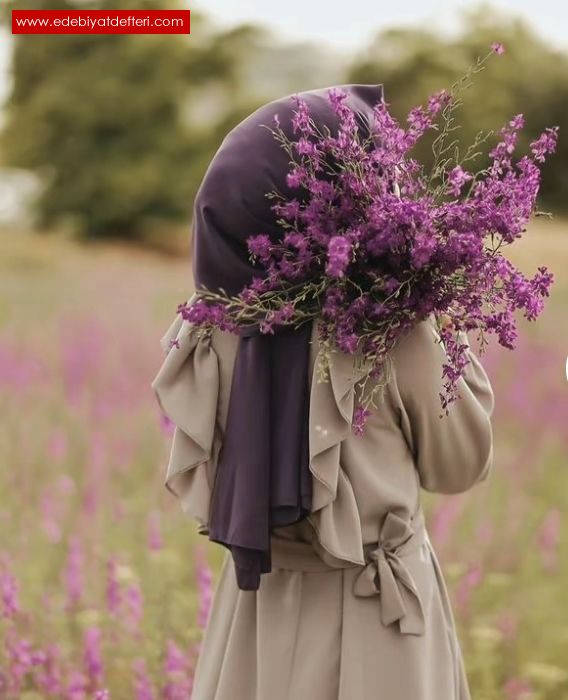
point(349, 25)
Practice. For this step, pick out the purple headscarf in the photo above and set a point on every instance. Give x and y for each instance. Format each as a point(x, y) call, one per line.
point(263, 479)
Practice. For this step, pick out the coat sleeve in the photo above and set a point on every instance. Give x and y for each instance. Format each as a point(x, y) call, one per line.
point(192, 388)
point(453, 452)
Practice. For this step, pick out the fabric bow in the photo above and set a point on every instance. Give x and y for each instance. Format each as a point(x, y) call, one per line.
point(386, 575)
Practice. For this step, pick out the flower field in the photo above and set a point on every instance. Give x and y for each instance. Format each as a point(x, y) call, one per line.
point(104, 584)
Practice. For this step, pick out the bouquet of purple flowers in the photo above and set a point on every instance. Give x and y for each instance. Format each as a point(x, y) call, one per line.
point(375, 243)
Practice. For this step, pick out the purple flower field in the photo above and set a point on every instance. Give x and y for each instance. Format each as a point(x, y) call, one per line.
point(105, 586)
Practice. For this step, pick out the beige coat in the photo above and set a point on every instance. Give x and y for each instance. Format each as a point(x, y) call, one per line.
point(355, 607)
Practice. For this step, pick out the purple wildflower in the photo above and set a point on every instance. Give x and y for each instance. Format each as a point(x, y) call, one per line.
point(176, 668)
point(370, 259)
point(419, 120)
point(546, 143)
point(471, 580)
point(92, 657)
point(49, 676)
point(457, 177)
point(348, 342)
point(134, 607)
point(542, 282)
point(337, 97)
point(143, 689)
point(260, 246)
point(497, 48)
point(73, 574)
point(113, 589)
point(339, 253)
point(438, 101)
point(288, 210)
point(517, 122)
point(517, 689)
point(360, 417)
point(206, 313)
point(9, 589)
point(423, 248)
point(284, 314)
point(77, 686)
point(306, 148)
point(301, 118)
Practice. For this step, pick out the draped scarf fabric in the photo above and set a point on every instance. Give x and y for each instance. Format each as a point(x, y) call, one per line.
point(263, 478)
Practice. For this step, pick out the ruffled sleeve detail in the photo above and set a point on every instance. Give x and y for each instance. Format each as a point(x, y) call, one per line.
point(187, 388)
point(335, 514)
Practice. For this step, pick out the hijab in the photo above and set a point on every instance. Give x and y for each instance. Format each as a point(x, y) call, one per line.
point(263, 479)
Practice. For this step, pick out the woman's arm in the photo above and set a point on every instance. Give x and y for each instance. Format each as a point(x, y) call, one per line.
point(454, 452)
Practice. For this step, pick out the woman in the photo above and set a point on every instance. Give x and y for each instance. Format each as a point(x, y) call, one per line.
point(330, 588)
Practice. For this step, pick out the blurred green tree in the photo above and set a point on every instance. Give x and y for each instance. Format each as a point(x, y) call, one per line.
point(120, 129)
point(102, 120)
point(531, 78)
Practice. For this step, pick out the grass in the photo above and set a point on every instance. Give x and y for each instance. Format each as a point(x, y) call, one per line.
point(110, 580)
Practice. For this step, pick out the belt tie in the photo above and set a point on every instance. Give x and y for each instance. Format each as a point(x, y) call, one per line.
point(385, 574)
